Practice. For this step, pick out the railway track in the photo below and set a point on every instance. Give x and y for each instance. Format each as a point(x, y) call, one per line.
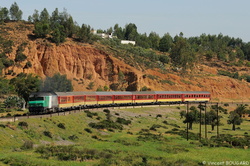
point(64, 113)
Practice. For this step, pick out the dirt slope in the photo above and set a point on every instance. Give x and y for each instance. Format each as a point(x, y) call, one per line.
point(84, 63)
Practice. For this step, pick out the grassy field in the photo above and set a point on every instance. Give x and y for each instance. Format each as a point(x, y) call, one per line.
point(144, 137)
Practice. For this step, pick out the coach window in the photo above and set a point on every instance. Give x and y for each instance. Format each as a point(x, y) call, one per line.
point(63, 99)
point(90, 98)
point(150, 96)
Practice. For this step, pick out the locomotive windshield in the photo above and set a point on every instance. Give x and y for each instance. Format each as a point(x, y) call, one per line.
point(36, 98)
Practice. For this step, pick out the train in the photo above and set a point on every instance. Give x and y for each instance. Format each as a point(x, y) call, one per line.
point(48, 102)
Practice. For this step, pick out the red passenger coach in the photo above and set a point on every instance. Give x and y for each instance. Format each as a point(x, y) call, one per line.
point(65, 100)
point(104, 98)
point(144, 97)
point(121, 98)
point(169, 96)
point(90, 98)
point(196, 96)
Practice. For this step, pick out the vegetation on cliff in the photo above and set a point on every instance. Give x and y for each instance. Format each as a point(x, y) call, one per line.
point(177, 55)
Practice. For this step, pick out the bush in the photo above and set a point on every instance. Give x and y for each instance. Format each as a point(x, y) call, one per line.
point(90, 114)
point(88, 130)
point(13, 101)
point(106, 124)
point(47, 134)
point(106, 111)
point(73, 137)
point(23, 124)
point(154, 126)
point(27, 145)
point(123, 121)
point(61, 125)
point(20, 57)
point(158, 116)
point(147, 136)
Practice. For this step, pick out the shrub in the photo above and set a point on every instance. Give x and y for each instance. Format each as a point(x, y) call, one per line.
point(28, 64)
point(144, 88)
point(73, 137)
point(47, 134)
point(158, 116)
point(123, 121)
point(154, 126)
point(88, 130)
point(165, 122)
point(13, 101)
point(27, 145)
point(106, 111)
point(147, 136)
point(23, 124)
point(61, 125)
point(106, 124)
point(90, 114)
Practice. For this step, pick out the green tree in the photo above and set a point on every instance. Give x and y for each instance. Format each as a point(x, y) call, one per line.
point(84, 34)
point(4, 14)
point(35, 17)
point(164, 59)
point(212, 119)
point(191, 117)
point(183, 114)
point(54, 19)
point(70, 27)
point(41, 29)
point(246, 50)
point(25, 84)
point(44, 16)
point(182, 55)
point(165, 43)
point(241, 109)
point(119, 32)
point(5, 86)
point(58, 36)
point(131, 32)
point(154, 39)
point(143, 41)
point(57, 83)
point(240, 53)
point(15, 12)
point(14, 101)
point(234, 119)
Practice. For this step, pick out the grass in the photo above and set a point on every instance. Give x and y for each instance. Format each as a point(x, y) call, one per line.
point(136, 144)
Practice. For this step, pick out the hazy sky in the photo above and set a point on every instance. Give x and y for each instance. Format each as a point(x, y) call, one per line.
point(192, 17)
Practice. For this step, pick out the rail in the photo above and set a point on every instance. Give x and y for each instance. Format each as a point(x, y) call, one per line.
point(68, 112)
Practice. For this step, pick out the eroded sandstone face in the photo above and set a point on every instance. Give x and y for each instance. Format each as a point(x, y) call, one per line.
point(84, 63)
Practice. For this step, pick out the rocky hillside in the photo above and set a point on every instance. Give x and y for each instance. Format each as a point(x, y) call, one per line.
point(85, 64)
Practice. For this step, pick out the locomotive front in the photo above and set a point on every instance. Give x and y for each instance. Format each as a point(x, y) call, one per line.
point(42, 102)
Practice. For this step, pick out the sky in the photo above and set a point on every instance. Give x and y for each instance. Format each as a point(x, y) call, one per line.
point(191, 17)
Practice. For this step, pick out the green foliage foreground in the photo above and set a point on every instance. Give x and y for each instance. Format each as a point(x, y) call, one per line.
point(139, 136)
